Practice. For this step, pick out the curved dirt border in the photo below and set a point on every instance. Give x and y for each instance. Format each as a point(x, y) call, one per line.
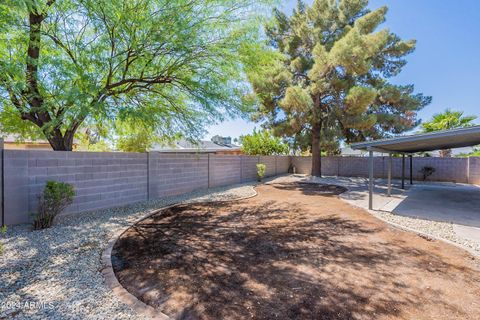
point(111, 280)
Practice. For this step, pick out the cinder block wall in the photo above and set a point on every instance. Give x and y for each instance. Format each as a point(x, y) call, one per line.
point(446, 169)
point(100, 179)
point(474, 170)
point(271, 165)
point(249, 167)
point(283, 164)
point(224, 170)
point(110, 179)
point(176, 173)
point(302, 165)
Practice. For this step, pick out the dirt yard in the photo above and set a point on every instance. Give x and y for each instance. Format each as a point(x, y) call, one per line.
point(295, 251)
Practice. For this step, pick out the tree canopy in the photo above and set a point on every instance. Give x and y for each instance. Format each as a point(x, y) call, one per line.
point(323, 76)
point(449, 119)
point(170, 65)
point(263, 143)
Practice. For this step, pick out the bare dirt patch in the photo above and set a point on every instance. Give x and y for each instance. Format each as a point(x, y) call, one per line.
point(293, 252)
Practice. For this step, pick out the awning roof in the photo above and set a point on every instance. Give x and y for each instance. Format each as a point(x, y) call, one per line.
point(449, 139)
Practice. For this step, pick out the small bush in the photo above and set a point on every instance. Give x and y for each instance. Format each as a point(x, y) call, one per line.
point(427, 171)
point(55, 198)
point(261, 168)
point(3, 229)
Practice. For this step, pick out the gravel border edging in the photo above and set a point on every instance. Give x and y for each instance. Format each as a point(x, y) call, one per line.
point(424, 234)
point(109, 275)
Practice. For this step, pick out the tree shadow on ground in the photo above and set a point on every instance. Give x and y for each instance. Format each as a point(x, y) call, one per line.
point(311, 189)
point(273, 260)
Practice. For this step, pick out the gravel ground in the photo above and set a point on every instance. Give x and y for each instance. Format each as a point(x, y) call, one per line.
point(55, 273)
point(442, 230)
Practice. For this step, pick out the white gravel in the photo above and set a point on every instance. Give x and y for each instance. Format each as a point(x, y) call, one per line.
point(440, 230)
point(55, 273)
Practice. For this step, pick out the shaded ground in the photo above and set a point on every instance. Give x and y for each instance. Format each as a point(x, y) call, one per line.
point(292, 252)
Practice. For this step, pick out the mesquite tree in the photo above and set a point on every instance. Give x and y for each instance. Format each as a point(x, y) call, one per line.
point(326, 76)
point(171, 65)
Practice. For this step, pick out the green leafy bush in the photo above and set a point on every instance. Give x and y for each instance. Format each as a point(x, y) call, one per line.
point(427, 171)
point(263, 143)
point(3, 229)
point(261, 168)
point(55, 198)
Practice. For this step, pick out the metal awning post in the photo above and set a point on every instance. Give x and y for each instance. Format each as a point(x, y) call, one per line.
point(411, 169)
point(389, 188)
point(403, 171)
point(370, 180)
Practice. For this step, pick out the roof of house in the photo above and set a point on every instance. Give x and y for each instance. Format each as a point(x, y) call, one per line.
point(448, 139)
point(201, 146)
point(10, 138)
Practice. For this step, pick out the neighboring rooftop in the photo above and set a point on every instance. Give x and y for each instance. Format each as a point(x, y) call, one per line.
point(217, 144)
point(439, 140)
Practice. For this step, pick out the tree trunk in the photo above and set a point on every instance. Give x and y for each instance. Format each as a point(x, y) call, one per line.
point(447, 153)
point(60, 142)
point(316, 151)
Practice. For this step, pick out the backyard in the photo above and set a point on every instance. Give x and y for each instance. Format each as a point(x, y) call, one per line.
point(289, 249)
point(294, 251)
point(189, 159)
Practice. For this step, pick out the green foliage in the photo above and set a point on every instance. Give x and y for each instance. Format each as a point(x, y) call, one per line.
point(3, 230)
point(263, 143)
point(133, 138)
point(55, 198)
point(474, 153)
point(323, 77)
point(98, 146)
point(261, 169)
point(92, 140)
point(427, 171)
point(449, 119)
point(169, 65)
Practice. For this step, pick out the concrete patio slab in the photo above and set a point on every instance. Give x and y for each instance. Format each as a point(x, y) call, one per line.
point(458, 204)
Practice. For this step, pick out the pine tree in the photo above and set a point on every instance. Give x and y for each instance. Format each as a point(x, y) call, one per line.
point(327, 76)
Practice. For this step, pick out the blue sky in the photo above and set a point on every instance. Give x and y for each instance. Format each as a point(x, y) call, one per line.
point(445, 65)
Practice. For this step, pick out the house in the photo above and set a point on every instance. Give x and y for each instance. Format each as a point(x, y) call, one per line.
point(349, 152)
point(217, 145)
point(15, 143)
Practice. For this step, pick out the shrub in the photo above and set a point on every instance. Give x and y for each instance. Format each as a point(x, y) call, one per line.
point(263, 143)
point(3, 229)
point(261, 168)
point(427, 171)
point(55, 198)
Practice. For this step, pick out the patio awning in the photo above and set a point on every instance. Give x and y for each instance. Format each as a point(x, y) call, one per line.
point(449, 139)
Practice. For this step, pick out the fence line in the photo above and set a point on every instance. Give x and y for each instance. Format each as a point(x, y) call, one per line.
point(460, 170)
point(107, 179)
